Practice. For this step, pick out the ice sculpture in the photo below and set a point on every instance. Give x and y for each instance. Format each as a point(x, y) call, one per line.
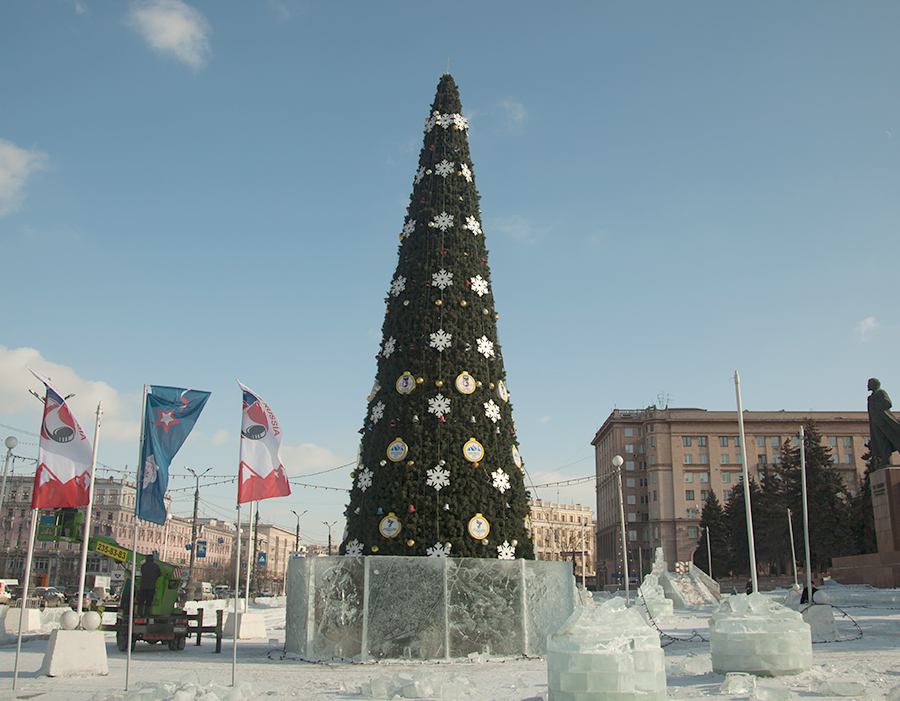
point(382, 607)
point(606, 653)
point(749, 633)
point(651, 593)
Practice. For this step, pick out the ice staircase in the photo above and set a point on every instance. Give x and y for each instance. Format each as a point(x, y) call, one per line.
point(693, 588)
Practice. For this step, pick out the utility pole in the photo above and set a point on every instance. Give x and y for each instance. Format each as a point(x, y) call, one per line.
point(192, 585)
point(297, 539)
point(329, 525)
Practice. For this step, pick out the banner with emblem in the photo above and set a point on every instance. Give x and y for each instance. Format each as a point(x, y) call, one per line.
point(261, 474)
point(63, 476)
point(169, 416)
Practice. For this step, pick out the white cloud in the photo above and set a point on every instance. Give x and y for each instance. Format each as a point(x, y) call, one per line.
point(519, 229)
point(16, 380)
point(545, 419)
point(16, 166)
point(309, 457)
point(221, 436)
point(865, 327)
point(173, 27)
point(514, 114)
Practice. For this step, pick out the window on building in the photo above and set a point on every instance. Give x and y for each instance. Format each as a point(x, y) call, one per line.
point(688, 459)
point(737, 441)
point(847, 441)
point(654, 495)
point(645, 535)
point(630, 499)
point(642, 464)
point(689, 495)
point(738, 459)
point(653, 475)
point(641, 448)
point(726, 494)
point(693, 532)
point(761, 459)
point(704, 477)
point(723, 459)
point(629, 465)
point(795, 441)
point(652, 441)
point(776, 459)
point(834, 458)
point(689, 477)
point(629, 432)
point(629, 482)
point(644, 499)
point(726, 477)
point(761, 441)
point(632, 517)
point(652, 459)
point(686, 441)
point(643, 482)
point(848, 459)
point(775, 441)
point(701, 440)
point(632, 535)
point(832, 441)
point(693, 513)
point(723, 441)
point(704, 459)
point(704, 494)
point(629, 448)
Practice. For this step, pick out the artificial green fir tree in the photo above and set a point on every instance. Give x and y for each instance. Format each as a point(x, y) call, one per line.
point(439, 471)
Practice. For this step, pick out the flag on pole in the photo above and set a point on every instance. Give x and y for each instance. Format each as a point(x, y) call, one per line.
point(63, 475)
point(169, 416)
point(261, 473)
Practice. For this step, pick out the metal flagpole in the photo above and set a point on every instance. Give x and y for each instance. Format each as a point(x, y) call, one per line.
point(31, 534)
point(708, 555)
point(137, 491)
point(793, 552)
point(805, 515)
point(237, 586)
point(250, 564)
point(87, 515)
point(746, 474)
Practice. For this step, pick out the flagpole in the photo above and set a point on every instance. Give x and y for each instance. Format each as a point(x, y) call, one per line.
point(746, 475)
point(137, 501)
point(87, 515)
point(250, 564)
point(237, 586)
point(24, 600)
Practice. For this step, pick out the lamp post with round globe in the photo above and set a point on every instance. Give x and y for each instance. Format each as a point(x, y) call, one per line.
point(617, 462)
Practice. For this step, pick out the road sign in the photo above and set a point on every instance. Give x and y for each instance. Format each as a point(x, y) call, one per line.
point(201, 548)
point(260, 560)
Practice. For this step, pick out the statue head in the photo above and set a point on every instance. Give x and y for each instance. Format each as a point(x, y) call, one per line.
point(874, 384)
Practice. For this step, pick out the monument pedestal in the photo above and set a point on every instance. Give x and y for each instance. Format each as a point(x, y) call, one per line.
point(251, 626)
point(75, 653)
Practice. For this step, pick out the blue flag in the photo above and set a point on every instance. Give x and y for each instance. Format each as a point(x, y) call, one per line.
point(169, 415)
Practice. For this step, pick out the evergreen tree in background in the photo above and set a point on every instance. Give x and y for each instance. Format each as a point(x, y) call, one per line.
point(862, 517)
point(712, 521)
point(439, 470)
point(736, 523)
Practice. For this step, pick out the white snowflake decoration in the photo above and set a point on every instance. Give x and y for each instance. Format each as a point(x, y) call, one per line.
point(364, 479)
point(377, 412)
point(485, 347)
point(444, 168)
point(466, 172)
point(354, 548)
point(479, 285)
point(398, 285)
point(460, 122)
point(443, 221)
point(444, 120)
point(506, 551)
point(438, 478)
point(473, 225)
point(440, 340)
point(419, 175)
point(501, 480)
point(409, 228)
point(442, 279)
point(389, 347)
point(491, 410)
point(429, 124)
point(439, 550)
point(439, 405)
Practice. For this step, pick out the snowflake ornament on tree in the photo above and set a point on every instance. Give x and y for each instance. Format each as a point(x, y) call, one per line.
point(461, 122)
point(479, 285)
point(473, 225)
point(501, 480)
point(443, 221)
point(439, 550)
point(354, 548)
point(398, 285)
point(438, 478)
point(409, 228)
point(377, 412)
point(466, 172)
point(506, 551)
point(442, 279)
point(444, 120)
point(439, 405)
point(389, 347)
point(444, 168)
point(440, 340)
point(419, 175)
point(492, 411)
point(485, 347)
point(364, 479)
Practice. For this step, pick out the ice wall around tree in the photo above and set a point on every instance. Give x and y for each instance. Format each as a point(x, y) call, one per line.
point(370, 608)
point(749, 633)
point(606, 653)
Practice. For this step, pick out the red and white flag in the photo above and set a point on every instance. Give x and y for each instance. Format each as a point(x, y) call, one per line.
point(261, 475)
point(63, 475)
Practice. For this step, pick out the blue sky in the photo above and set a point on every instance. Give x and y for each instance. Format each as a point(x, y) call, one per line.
point(193, 193)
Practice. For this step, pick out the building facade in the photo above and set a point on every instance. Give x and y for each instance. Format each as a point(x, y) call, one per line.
point(675, 457)
point(564, 532)
point(268, 548)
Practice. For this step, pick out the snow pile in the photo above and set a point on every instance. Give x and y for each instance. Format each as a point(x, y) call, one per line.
point(607, 651)
point(417, 685)
point(189, 688)
point(755, 635)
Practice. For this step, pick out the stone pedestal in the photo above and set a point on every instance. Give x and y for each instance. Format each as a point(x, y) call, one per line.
point(380, 607)
point(75, 653)
point(251, 626)
point(30, 623)
point(751, 634)
point(606, 653)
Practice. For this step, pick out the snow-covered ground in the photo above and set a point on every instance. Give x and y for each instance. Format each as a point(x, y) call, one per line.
point(865, 667)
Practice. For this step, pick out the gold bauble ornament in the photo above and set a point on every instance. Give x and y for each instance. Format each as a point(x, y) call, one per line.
point(374, 548)
point(420, 380)
point(464, 303)
point(410, 542)
point(438, 302)
point(496, 316)
point(411, 463)
point(439, 383)
point(490, 385)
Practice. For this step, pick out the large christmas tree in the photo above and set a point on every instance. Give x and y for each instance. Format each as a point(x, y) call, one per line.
point(439, 470)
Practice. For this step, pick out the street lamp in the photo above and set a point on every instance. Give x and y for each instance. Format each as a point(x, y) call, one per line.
point(297, 539)
point(11, 442)
point(617, 462)
point(329, 525)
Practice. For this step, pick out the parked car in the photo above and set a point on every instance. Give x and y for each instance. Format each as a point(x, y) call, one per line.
point(91, 601)
point(48, 596)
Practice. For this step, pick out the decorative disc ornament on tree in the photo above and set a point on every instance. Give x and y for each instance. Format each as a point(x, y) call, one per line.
point(458, 454)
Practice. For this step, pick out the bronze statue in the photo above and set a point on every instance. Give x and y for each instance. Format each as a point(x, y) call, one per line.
point(884, 429)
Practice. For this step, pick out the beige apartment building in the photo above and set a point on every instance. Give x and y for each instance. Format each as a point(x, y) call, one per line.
point(564, 532)
point(675, 457)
